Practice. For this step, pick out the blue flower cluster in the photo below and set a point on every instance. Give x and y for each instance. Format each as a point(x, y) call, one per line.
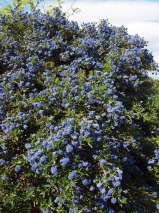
point(74, 116)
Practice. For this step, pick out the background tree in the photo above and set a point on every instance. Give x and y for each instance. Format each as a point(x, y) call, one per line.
point(21, 4)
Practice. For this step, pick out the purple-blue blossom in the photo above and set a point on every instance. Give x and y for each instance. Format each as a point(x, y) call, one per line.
point(64, 161)
point(72, 175)
point(54, 170)
point(69, 148)
point(17, 168)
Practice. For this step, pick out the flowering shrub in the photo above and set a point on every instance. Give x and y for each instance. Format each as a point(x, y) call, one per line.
point(78, 117)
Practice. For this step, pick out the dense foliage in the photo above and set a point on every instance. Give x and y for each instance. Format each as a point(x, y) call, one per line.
point(79, 128)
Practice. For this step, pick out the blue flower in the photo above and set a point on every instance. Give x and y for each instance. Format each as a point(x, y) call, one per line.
point(41, 112)
point(90, 96)
point(151, 161)
point(64, 93)
point(116, 183)
point(87, 134)
point(97, 117)
point(110, 191)
point(69, 128)
point(54, 170)
point(3, 162)
point(25, 126)
point(31, 188)
point(76, 98)
point(91, 112)
point(57, 199)
point(64, 161)
point(92, 188)
point(99, 185)
point(47, 210)
point(86, 182)
point(75, 201)
point(69, 148)
point(71, 175)
point(17, 168)
point(102, 162)
point(44, 158)
point(70, 120)
point(67, 105)
point(4, 177)
point(125, 144)
point(113, 200)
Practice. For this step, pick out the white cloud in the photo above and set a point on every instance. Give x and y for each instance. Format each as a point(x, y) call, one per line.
point(140, 17)
point(117, 12)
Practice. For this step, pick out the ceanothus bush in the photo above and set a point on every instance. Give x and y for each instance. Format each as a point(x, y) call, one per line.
point(78, 117)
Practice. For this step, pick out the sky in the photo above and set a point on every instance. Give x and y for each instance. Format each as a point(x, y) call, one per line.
point(138, 16)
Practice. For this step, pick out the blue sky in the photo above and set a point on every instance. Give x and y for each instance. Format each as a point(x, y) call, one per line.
point(138, 16)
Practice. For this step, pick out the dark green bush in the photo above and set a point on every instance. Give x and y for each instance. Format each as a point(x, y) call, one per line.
point(79, 128)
